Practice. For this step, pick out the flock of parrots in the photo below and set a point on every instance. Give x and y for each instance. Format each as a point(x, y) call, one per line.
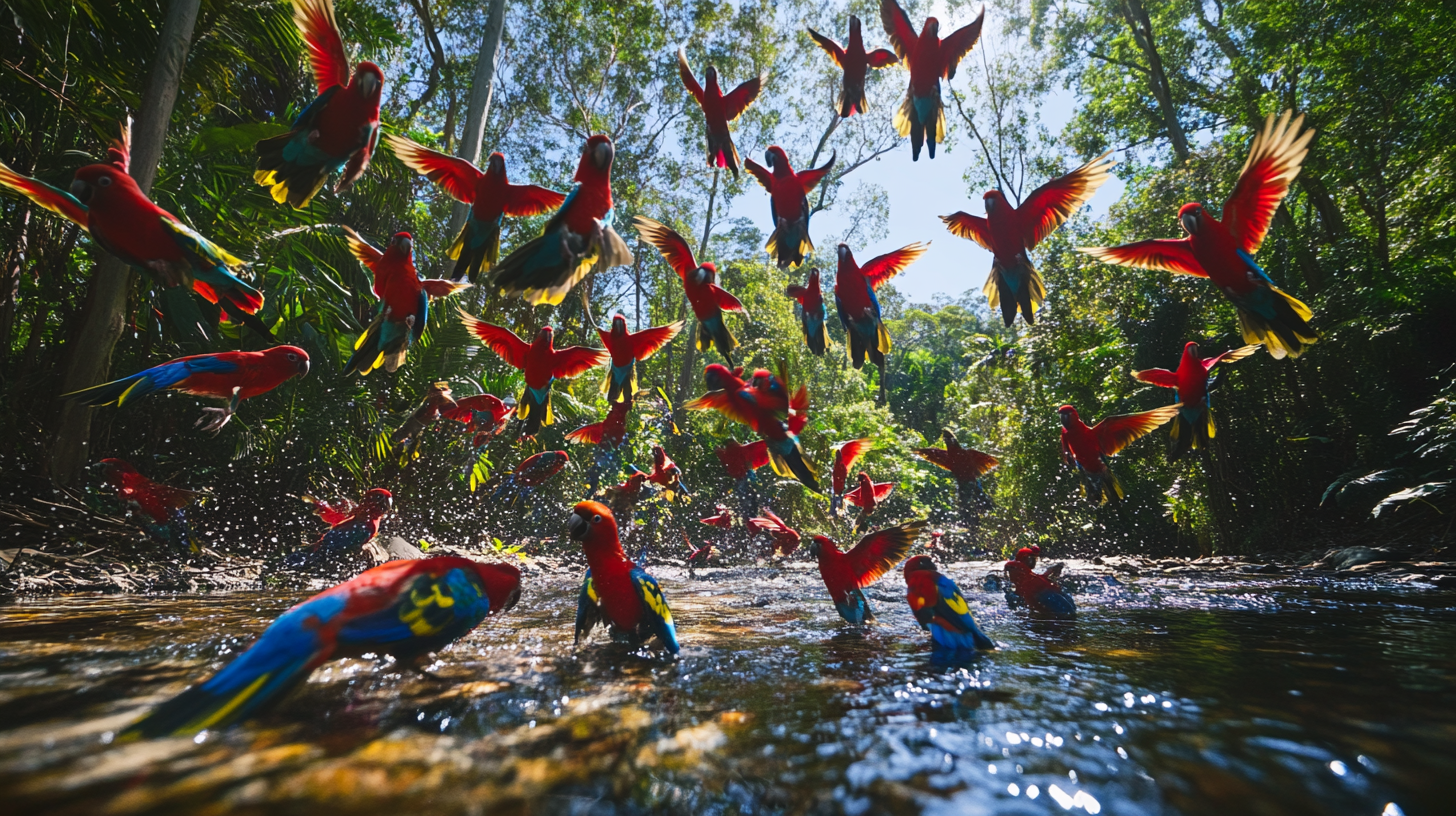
point(408, 608)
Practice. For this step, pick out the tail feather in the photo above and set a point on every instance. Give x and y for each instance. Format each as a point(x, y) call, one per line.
point(1017, 289)
point(288, 181)
point(791, 464)
point(242, 689)
point(713, 332)
point(476, 248)
point(856, 608)
point(116, 391)
point(1286, 333)
point(971, 641)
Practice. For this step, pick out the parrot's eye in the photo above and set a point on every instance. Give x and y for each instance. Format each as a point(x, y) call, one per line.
point(104, 181)
point(597, 519)
point(293, 357)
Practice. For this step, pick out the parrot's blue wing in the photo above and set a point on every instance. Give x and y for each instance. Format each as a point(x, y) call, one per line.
point(588, 609)
point(856, 608)
point(959, 629)
point(1060, 604)
point(654, 605)
point(429, 613)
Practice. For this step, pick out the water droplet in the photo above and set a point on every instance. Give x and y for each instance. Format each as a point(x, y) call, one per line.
point(1013, 789)
point(1339, 768)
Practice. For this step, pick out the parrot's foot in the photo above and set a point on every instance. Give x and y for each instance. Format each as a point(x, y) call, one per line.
point(213, 419)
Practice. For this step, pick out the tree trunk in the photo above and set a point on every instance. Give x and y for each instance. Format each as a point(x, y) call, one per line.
point(89, 353)
point(1142, 31)
point(476, 112)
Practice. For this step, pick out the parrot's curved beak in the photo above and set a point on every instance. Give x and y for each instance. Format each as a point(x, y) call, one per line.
point(302, 368)
point(1190, 223)
point(813, 548)
point(81, 190)
point(577, 527)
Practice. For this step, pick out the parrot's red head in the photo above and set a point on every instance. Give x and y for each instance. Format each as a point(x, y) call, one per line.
point(95, 184)
point(846, 258)
point(931, 29)
point(866, 485)
point(375, 503)
point(288, 358)
point(1190, 216)
point(1190, 349)
point(918, 563)
point(1028, 555)
point(951, 443)
point(596, 158)
point(593, 525)
point(778, 160)
point(993, 200)
point(496, 164)
point(718, 377)
point(544, 335)
point(403, 242)
point(813, 280)
point(619, 324)
point(368, 81)
point(1068, 415)
point(114, 467)
point(502, 585)
point(820, 545)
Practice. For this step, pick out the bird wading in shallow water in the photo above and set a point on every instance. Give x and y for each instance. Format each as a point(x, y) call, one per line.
point(1042, 595)
point(940, 608)
point(351, 528)
point(616, 592)
point(1089, 447)
point(1193, 426)
point(845, 574)
point(161, 508)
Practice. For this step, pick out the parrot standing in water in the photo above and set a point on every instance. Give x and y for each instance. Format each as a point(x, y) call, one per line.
point(162, 507)
point(708, 299)
point(930, 59)
point(784, 539)
point(578, 238)
point(1223, 250)
point(855, 63)
point(628, 349)
point(491, 196)
point(1193, 426)
point(540, 361)
point(967, 466)
point(779, 427)
point(404, 303)
point(846, 573)
point(531, 473)
point(788, 204)
point(106, 202)
point(228, 375)
point(867, 497)
point(845, 455)
point(812, 312)
point(350, 530)
point(719, 110)
point(483, 415)
point(859, 306)
point(339, 129)
point(1088, 448)
point(406, 609)
point(940, 608)
point(1042, 595)
point(1009, 233)
point(616, 592)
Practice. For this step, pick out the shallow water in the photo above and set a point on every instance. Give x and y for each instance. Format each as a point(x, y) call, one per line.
point(1167, 696)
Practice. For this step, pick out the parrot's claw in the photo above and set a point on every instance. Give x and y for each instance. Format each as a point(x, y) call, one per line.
point(213, 419)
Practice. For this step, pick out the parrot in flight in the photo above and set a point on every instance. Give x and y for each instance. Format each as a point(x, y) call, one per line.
point(541, 362)
point(404, 303)
point(698, 556)
point(532, 472)
point(788, 204)
point(722, 517)
point(1040, 593)
point(846, 573)
point(628, 349)
point(666, 474)
point(1193, 426)
point(483, 415)
point(940, 608)
point(784, 539)
point(1088, 448)
point(867, 497)
point(777, 421)
point(719, 110)
point(490, 195)
point(930, 59)
point(106, 202)
point(616, 592)
point(708, 299)
point(1223, 250)
point(855, 63)
point(1009, 233)
point(351, 528)
point(966, 466)
point(845, 455)
point(611, 431)
point(577, 238)
point(403, 608)
point(741, 460)
point(228, 375)
point(339, 129)
point(161, 507)
point(859, 306)
point(812, 313)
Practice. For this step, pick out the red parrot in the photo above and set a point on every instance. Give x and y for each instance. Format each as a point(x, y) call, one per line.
point(1194, 423)
point(1088, 448)
point(785, 539)
point(812, 313)
point(788, 197)
point(623, 498)
point(855, 62)
point(740, 460)
point(845, 455)
point(611, 431)
point(406, 609)
point(967, 466)
point(404, 303)
point(483, 415)
point(627, 349)
point(616, 591)
point(229, 375)
point(541, 363)
point(868, 495)
point(699, 556)
point(935, 537)
point(666, 473)
point(578, 238)
point(162, 506)
point(1223, 250)
point(940, 608)
point(1009, 233)
point(490, 195)
point(533, 471)
point(708, 299)
point(778, 424)
point(858, 305)
point(930, 59)
point(107, 203)
point(719, 110)
point(339, 129)
point(721, 518)
point(846, 573)
point(1039, 593)
point(349, 531)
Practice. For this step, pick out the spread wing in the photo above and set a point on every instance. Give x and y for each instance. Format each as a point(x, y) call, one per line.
point(1050, 205)
point(738, 100)
point(498, 339)
point(574, 361)
point(1231, 356)
point(898, 27)
point(1117, 432)
point(456, 175)
point(725, 300)
point(365, 252)
point(880, 269)
point(881, 58)
point(761, 173)
point(1168, 254)
point(315, 19)
point(588, 608)
point(1158, 376)
point(588, 434)
point(974, 227)
point(851, 451)
point(955, 47)
point(54, 199)
point(830, 47)
point(532, 199)
point(672, 246)
point(689, 81)
point(755, 454)
point(438, 287)
point(723, 403)
point(809, 179)
point(878, 552)
point(464, 410)
point(1274, 161)
point(649, 341)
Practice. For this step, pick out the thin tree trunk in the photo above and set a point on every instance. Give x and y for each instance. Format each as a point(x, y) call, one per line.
point(89, 354)
point(481, 88)
point(685, 378)
point(1142, 31)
